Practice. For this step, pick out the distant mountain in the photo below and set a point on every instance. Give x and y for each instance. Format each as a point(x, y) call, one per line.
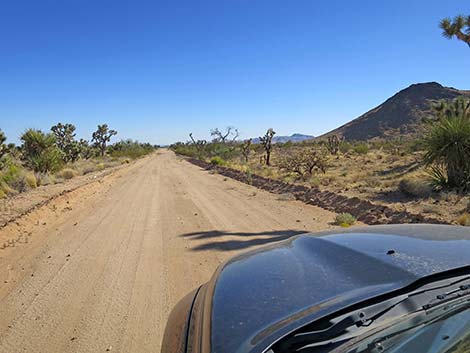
point(402, 114)
point(292, 138)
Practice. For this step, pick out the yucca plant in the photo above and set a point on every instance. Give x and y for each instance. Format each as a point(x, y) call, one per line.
point(40, 152)
point(447, 146)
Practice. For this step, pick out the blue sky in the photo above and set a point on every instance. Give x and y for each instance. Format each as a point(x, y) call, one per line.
point(157, 70)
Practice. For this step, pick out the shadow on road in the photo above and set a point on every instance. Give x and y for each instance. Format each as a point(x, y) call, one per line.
point(254, 239)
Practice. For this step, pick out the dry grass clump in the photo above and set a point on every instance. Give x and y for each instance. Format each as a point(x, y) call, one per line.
point(30, 180)
point(345, 220)
point(464, 220)
point(45, 179)
point(415, 187)
point(67, 173)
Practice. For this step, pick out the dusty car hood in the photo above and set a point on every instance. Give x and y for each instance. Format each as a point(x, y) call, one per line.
point(259, 297)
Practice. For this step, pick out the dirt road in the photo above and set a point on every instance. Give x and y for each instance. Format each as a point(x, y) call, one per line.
point(99, 269)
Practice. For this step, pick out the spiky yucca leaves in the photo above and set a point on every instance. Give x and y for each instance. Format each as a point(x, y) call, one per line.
point(447, 145)
point(458, 27)
point(3, 146)
point(40, 152)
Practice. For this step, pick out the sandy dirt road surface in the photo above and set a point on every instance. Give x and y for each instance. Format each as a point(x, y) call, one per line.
point(99, 269)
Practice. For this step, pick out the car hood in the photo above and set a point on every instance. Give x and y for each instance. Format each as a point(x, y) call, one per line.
point(260, 296)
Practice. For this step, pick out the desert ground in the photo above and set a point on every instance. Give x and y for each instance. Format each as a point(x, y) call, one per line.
point(99, 267)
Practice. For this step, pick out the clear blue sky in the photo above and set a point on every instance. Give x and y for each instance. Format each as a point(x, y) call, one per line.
point(156, 70)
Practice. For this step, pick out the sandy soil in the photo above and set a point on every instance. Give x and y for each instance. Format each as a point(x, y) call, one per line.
point(99, 268)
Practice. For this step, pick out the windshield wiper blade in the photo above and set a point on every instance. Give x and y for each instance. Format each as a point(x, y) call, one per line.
point(350, 325)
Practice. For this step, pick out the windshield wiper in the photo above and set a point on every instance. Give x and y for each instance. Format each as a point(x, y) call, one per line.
point(342, 328)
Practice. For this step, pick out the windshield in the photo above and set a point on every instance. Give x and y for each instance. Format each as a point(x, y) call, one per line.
point(449, 335)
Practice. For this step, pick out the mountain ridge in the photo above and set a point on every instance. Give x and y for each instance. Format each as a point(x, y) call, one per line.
point(401, 114)
point(295, 137)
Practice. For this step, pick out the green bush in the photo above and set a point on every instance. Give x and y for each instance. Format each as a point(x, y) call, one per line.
point(130, 149)
point(345, 147)
point(447, 145)
point(361, 148)
point(345, 220)
point(40, 152)
point(216, 160)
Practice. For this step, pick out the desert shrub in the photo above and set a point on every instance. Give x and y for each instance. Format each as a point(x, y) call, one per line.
point(415, 187)
point(447, 145)
point(464, 220)
point(315, 181)
point(2, 193)
point(30, 180)
point(216, 160)
point(130, 149)
point(11, 174)
point(249, 176)
point(345, 219)
point(431, 209)
point(345, 147)
point(45, 179)
point(14, 179)
point(372, 181)
point(100, 166)
point(304, 162)
point(67, 173)
point(361, 148)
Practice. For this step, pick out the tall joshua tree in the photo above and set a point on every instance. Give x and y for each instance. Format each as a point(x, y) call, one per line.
point(266, 141)
point(458, 27)
point(102, 136)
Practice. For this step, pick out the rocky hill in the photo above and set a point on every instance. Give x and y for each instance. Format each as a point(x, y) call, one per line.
point(402, 114)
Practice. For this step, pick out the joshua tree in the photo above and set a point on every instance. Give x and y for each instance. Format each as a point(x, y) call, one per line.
point(65, 140)
point(266, 141)
point(102, 136)
point(459, 106)
point(86, 151)
point(230, 135)
point(458, 27)
point(333, 143)
point(246, 148)
point(3, 147)
point(199, 144)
